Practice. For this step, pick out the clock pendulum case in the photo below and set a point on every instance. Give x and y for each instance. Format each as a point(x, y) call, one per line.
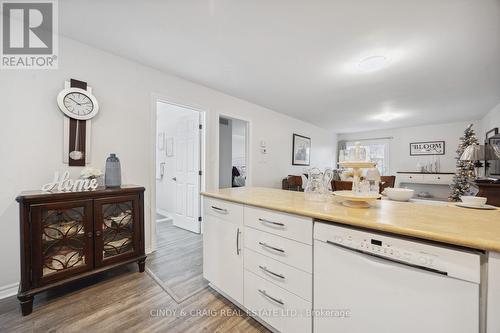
point(79, 105)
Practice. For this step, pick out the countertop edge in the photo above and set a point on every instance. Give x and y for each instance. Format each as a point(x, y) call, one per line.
point(430, 236)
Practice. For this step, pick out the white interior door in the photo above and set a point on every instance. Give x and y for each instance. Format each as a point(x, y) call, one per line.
point(187, 177)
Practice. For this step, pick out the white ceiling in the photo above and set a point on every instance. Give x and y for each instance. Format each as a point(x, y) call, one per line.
point(300, 57)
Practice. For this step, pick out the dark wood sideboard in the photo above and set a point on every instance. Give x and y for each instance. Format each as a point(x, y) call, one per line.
point(68, 236)
point(490, 191)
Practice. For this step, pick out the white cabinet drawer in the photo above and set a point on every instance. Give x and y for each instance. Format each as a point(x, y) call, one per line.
point(438, 179)
point(284, 276)
point(285, 250)
point(225, 210)
point(425, 178)
point(282, 224)
point(409, 178)
point(281, 309)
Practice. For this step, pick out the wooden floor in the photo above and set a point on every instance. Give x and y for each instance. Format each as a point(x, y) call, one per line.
point(178, 261)
point(125, 301)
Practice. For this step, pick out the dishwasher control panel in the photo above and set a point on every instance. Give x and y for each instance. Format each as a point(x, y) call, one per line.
point(384, 247)
point(432, 256)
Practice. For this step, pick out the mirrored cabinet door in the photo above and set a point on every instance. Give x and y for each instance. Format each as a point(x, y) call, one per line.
point(62, 240)
point(117, 229)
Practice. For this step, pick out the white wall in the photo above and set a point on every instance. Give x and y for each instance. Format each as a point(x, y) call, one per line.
point(491, 120)
point(31, 130)
point(400, 159)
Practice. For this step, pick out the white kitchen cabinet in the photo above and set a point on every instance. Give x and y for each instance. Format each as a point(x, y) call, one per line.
point(262, 260)
point(424, 178)
point(493, 293)
point(280, 308)
point(223, 247)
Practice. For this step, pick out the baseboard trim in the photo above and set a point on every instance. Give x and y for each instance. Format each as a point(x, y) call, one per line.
point(168, 216)
point(8, 290)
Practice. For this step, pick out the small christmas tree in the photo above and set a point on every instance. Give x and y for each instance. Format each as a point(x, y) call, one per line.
point(465, 169)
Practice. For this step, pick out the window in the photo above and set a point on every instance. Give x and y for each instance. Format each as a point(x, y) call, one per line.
point(377, 150)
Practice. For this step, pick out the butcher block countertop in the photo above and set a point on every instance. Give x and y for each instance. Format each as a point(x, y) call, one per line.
point(472, 228)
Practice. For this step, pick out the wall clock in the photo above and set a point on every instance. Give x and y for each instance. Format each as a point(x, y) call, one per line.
point(79, 106)
point(77, 103)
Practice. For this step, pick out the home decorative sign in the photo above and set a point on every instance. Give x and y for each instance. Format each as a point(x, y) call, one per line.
point(65, 184)
point(427, 148)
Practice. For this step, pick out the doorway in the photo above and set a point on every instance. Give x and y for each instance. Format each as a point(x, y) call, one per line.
point(177, 262)
point(178, 166)
point(233, 152)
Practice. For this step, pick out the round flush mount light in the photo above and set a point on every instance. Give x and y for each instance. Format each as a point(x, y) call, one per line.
point(372, 63)
point(386, 116)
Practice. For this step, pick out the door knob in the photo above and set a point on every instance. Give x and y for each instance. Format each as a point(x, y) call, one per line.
point(174, 179)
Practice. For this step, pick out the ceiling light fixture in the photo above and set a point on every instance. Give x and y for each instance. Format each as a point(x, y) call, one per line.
point(387, 116)
point(373, 63)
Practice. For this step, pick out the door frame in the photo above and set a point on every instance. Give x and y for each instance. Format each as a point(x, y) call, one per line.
point(248, 138)
point(150, 225)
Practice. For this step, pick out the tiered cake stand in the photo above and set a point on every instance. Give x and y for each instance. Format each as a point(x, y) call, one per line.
point(353, 198)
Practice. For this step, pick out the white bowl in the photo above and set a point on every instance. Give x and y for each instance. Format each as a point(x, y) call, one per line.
point(473, 201)
point(399, 194)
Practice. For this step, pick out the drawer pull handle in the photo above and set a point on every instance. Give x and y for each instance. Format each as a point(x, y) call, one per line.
point(272, 247)
point(263, 292)
point(272, 222)
point(220, 210)
point(238, 250)
point(264, 268)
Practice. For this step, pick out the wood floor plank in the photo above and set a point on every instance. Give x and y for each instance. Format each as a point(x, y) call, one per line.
point(125, 300)
point(178, 260)
point(128, 302)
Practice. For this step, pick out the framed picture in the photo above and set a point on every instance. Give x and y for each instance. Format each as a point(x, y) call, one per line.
point(301, 151)
point(427, 148)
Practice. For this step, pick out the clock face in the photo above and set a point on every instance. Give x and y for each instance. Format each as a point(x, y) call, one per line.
point(78, 104)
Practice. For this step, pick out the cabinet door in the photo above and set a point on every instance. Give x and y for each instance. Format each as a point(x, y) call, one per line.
point(117, 228)
point(62, 239)
point(223, 257)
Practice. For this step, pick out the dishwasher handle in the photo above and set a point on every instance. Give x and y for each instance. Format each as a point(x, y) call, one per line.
point(380, 259)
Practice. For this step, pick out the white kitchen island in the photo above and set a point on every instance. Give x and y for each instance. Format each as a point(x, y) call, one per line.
point(262, 251)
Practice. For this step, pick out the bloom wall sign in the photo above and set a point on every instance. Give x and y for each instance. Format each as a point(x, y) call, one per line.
point(427, 148)
point(301, 150)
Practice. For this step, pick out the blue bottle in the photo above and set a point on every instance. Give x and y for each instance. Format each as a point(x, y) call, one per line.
point(113, 176)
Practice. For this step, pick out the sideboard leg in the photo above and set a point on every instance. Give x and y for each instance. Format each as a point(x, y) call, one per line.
point(142, 264)
point(26, 304)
